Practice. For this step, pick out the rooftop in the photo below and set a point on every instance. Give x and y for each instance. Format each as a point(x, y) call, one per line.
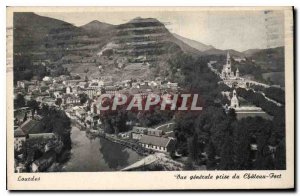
point(157, 141)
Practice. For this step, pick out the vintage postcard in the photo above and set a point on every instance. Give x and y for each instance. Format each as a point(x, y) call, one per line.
point(150, 98)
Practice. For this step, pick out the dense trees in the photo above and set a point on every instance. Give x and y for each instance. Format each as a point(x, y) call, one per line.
point(276, 94)
point(260, 101)
point(19, 101)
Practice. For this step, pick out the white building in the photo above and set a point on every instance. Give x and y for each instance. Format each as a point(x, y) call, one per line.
point(234, 103)
point(160, 144)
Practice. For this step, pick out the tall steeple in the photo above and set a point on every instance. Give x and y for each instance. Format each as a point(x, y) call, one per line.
point(228, 58)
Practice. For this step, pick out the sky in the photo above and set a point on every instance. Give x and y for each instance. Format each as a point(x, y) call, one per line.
point(238, 30)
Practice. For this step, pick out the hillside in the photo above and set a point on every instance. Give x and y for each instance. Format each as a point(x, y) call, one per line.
point(138, 48)
point(195, 44)
point(97, 28)
point(217, 52)
point(135, 49)
point(39, 41)
point(250, 52)
point(31, 30)
point(271, 59)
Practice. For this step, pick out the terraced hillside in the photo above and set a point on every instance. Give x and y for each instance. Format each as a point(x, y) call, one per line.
point(139, 48)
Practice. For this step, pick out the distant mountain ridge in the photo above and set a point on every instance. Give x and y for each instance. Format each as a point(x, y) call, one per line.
point(270, 59)
point(43, 39)
point(195, 44)
point(96, 27)
point(207, 49)
point(223, 52)
point(39, 39)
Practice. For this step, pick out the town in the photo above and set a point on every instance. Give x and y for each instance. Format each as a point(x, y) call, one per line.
point(136, 97)
point(79, 98)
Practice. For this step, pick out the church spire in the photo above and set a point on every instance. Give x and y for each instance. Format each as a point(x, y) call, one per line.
point(228, 55)
point(228, 58)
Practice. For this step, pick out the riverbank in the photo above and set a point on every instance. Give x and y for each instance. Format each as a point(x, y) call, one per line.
point(126, 143)
point(93, 153)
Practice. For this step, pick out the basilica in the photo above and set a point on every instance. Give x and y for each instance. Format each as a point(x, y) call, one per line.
point(227, 73)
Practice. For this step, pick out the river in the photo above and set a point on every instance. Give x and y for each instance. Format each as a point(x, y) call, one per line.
point(96, 154)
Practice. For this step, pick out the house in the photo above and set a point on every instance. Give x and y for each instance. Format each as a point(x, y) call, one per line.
point(110, 90)
point(155, 132)
point(47, 79)
point(69, 90)
point(80, 113)
point(137, 132)
point(160, 144)
point(172, 85)
point(31, 88)
point(82, 85)
point(19, 139)
point(91, 92)
point(125, 134)
point(30, 126)
point(45, 139)
point(96, 84)
point(136, 135)
point(70, 99)
point(153, 83)
point(22, 84)
point(57, 94)
point(48, 101)
point(44, 162)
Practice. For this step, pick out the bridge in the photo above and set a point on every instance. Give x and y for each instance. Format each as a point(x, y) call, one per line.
point(145, 161)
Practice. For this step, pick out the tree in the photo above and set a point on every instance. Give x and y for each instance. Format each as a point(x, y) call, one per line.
point(83, 98)
point(19, 101)
point(227, 154)
point(280, 156)
point(25, 117)
point(33, 105)
point(193, 146)
point(211, 154)
point(58, 101)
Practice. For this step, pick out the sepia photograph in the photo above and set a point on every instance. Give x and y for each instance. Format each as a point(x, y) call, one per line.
point(151, 91)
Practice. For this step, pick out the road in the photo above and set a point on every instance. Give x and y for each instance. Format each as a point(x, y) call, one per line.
point(168, 124)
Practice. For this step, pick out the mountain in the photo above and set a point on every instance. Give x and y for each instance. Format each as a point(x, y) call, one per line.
point(96, 27)
point(119, 49)
point(250, 52)
point(31, 30)
point(215, 51)
point(148, 35)
point(271, 59)
point(39, 41)
point(195, 44)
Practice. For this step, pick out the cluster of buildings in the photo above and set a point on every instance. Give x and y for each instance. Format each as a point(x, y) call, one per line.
point(230, 78)
point(234, 80)
point(241, 110)
point(152, 139)
point(79, 99)
point(29, 135)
